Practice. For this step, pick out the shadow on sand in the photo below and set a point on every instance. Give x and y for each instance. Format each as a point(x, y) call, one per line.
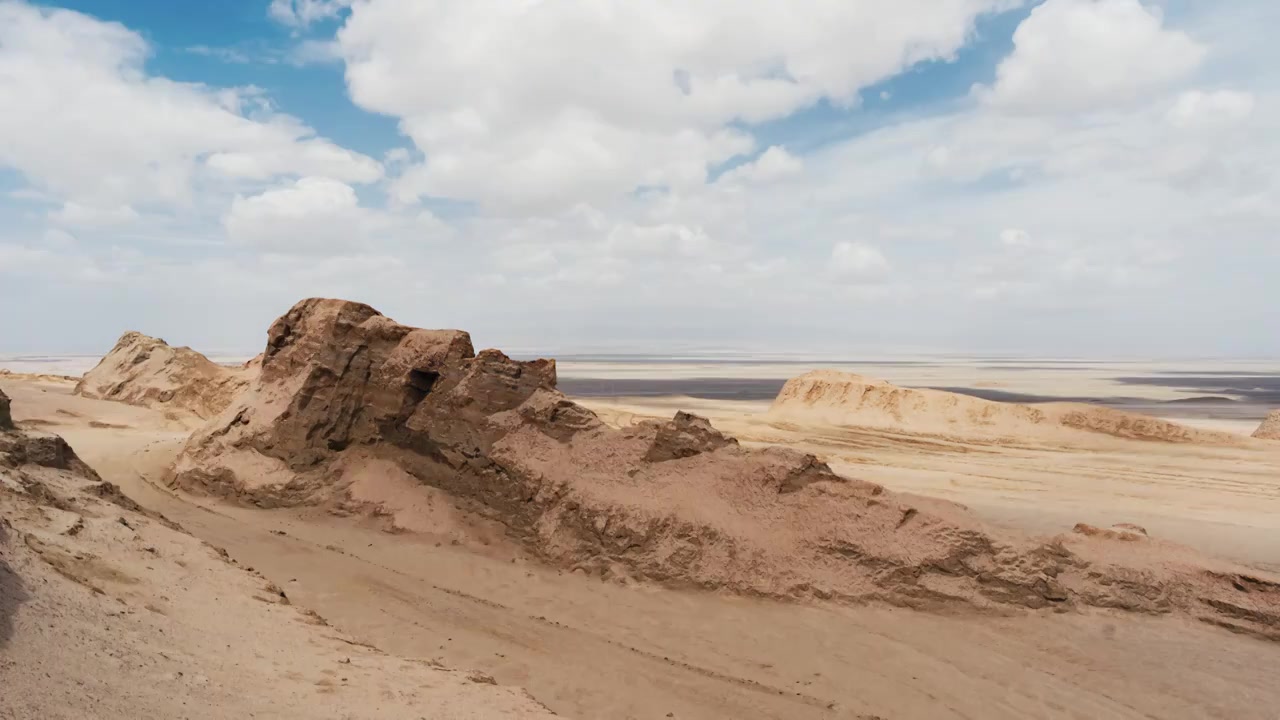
point(12, 593)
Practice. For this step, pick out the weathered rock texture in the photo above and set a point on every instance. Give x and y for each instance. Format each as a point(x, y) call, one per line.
point(113, 613)
point(830, 397)
point(25, 447)
point(1270, 427)
point(146, 371)
point(344, 389)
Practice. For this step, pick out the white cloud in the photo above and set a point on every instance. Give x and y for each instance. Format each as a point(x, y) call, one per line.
point(858, 261)
point(1013, 237)
point(537, 106)
point(1198, 109)
point(314, 52)
point(320, 215)
point(73, 213)
point(1084, 218)
point(1080, 55)
point(301, 13)
point(97, 130)
point(773, 164)
point(234, 56)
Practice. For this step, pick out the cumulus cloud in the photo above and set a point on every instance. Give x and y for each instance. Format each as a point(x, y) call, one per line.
point(774, 163)
point(320, 215)
point(1080, 55)
point(1215, 109)
point(96, 129)
point(584, 142)
point(537, 106)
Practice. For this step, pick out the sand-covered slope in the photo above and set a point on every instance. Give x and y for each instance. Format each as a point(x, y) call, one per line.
point(344, 388)
point(1270, 427)
point(142, 370)
point(831, 397)
point(112, 613)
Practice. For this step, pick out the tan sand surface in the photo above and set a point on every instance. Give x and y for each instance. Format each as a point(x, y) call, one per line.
point(589, 648)
point(1222, 499)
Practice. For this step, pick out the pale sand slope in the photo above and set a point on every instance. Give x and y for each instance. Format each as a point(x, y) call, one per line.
point(1223, 499)
point(108, 613)
point(592, 649)
point(147, 371)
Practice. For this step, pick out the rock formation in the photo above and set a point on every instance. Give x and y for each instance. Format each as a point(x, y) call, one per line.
point(40, 449)
point(142, 370)
point(343, 389)
point(1270, 427)
point(108, 611)
point(829, 397)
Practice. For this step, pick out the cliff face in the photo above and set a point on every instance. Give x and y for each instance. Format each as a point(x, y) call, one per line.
point(346, 394)
point(146, 371)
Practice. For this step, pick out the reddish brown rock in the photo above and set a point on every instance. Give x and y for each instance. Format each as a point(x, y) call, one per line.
point(684, 436)
point(347, 399)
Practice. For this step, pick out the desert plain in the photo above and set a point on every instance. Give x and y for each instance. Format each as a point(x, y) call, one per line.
point(310, 534)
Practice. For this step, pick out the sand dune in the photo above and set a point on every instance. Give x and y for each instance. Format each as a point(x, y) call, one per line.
point(146, 371)
point(829, 397)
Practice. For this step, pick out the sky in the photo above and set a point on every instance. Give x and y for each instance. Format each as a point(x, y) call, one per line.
point(1067, 178)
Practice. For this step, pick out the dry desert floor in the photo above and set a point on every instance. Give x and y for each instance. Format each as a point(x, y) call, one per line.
point(586, 647)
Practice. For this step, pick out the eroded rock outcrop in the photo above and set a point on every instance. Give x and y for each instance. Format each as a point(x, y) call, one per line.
point(19, 447)
point(146, 371)
point(1270, 427)
point(112, 612)
point(684, 436)
point(345, 392)
point(830, 397)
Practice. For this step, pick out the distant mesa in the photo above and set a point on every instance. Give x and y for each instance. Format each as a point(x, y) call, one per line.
point(146, 371)
point(828, 397)
point(1270, 427)
point(348, 402)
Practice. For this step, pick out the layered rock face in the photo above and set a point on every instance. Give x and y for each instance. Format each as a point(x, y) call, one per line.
point(1270, 427)
point(344, 390)
point(40, 449)
point(829, 397)
point(146, 371)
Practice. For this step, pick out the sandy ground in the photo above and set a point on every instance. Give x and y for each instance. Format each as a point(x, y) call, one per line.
point(594, 649)
point(1220, 499)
